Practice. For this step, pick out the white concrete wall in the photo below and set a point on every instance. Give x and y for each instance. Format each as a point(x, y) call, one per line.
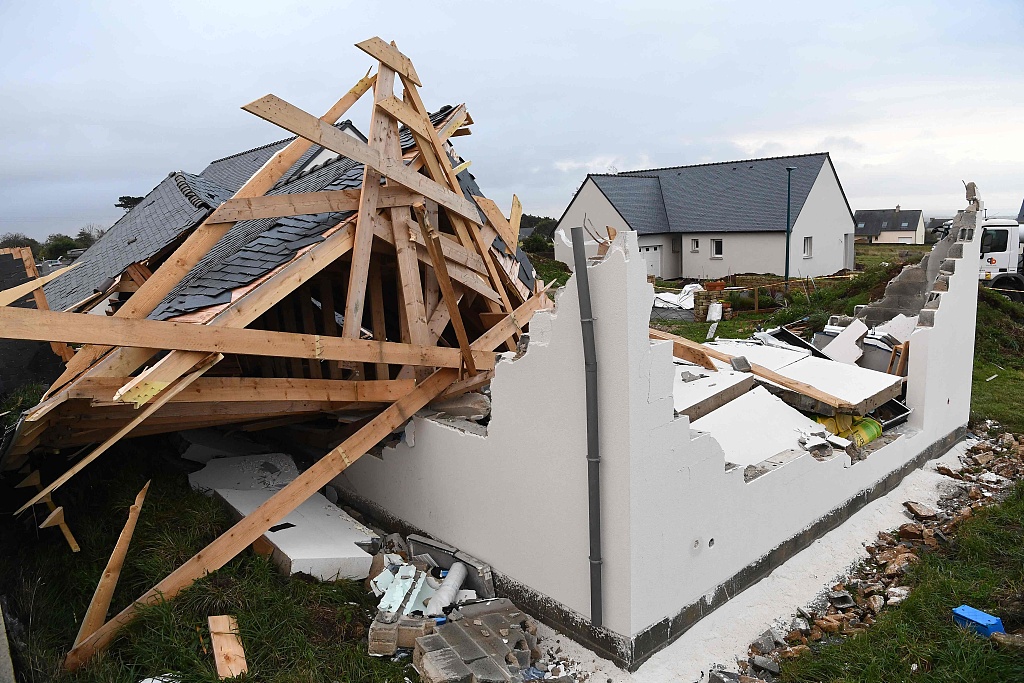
point(599, 212)
point(517, 498)
point(826, 219)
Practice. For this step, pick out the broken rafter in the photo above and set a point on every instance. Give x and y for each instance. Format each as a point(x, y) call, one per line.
point(306, 203)
point(80, 328)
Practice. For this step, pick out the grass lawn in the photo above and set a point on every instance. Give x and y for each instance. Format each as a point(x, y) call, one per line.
point(550, 270)
point(291, 629)
point(868, 255)
point(984, 568)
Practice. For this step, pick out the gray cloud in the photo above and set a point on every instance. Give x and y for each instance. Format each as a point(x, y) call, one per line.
point(105, 100)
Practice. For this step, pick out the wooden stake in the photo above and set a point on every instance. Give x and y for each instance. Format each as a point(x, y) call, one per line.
point(96, 614)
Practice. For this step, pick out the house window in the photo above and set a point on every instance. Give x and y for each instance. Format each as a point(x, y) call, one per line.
point(860, 225)
point(807, 247)
point(904, 224)
point(885, 224)
point(716, 249)
point(695, 245)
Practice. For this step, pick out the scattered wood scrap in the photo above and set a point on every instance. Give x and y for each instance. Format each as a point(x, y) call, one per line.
point(228, 653)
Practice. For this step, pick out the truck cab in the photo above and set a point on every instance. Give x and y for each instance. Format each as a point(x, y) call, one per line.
point(1001, 264)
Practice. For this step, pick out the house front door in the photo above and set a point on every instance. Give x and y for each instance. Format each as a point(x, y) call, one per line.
point(652, 255)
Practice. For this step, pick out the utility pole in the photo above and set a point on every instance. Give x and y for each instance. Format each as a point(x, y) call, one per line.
point(789, 222)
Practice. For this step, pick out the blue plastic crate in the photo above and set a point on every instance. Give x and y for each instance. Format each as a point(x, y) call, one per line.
point(981, 623)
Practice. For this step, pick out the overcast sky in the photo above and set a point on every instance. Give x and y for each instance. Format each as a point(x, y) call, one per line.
point(104, 99)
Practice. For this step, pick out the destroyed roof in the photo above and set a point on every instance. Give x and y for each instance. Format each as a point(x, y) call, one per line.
point(1020, 216)
point(731, 196)
point(877, 220)
point(252, 249)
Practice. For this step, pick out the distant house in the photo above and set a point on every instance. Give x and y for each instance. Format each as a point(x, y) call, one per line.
point(713, 220)
point(890, 226)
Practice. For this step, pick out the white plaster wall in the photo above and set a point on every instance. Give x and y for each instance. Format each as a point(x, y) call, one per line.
point(600, 213)
point(517, 498)
point(743, 252)
point(826, 219)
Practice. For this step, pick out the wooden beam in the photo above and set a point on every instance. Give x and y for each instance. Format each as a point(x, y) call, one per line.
point(245, 532)
point(447, 291)
point(306, 203)
point(330, 322)
point(291, 118)
point(381, 130)
point(241, 389)
point(228, 654)
point(687, 352)
point(389, 54)
point(378, 321)
point(96, 614)
point(203, 238)
point(81, 328)
point(9, 296)
point(515, 218)
point(763, 372)
point(500, 223)
point(165, 396)
point(411, 289)
point(515, 321)
point(403, 113)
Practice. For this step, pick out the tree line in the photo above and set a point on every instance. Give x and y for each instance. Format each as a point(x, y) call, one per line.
point(57, 245)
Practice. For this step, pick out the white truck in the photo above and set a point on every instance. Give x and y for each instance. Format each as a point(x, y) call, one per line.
point(1002, 264)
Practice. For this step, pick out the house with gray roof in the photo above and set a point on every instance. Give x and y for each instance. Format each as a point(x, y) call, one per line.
point(709, 221)
point(890, 226)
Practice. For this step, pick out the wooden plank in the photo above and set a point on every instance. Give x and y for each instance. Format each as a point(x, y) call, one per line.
point(447, 291)
point(286, 312)
point(389, 54)
point(9, 296)
point(687, 352)
point(378, 321)
point(471, 383)
point(33, 479)
point(293, 119)
point(96, 614)
point(203, 238)
point(403, 113)
point(514, 321)
point(515, 218)
point(764, 373)
point(381, 129)
point(411, 288)
point(462, 274)
point(251, 527)
point(165, 396)
point(81, 328)
point(301, 204)
point(228, 654)
point(240, 389)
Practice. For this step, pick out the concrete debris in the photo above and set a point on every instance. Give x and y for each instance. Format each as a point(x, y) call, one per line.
point(469, 406)
point(485, 642)
point(921, 512)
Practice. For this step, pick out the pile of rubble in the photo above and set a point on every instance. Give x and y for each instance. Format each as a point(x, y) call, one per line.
point(989, 469)
point(438, 604)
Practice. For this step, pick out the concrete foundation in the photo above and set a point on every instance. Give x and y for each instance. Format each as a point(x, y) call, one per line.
point(682, 533)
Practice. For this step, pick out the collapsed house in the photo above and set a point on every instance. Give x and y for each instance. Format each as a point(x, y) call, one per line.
point(319, 275)
point(302, 294)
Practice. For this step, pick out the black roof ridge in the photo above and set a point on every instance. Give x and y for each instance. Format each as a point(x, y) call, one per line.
point(624, 174)
point(717, 163)
point(276, 142)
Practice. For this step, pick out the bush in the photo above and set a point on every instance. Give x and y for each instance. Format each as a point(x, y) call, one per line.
point(537, 243)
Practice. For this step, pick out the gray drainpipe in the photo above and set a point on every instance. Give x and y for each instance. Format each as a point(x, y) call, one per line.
point(579, 254)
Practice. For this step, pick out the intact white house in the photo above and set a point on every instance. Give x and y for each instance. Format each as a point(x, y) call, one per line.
point(890, 226)
point(713, 220)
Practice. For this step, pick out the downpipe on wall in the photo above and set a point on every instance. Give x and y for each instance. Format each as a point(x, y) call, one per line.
point(579, 253)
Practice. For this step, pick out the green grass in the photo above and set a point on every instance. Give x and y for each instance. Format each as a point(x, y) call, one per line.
point(549, 270)
point(998, 350)
point(869, 255)
point(16, 401)
point(740, 327)
point(984, 568)
point(292, 630)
